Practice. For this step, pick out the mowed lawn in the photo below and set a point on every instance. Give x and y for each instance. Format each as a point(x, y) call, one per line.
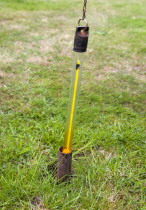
point(36, 39)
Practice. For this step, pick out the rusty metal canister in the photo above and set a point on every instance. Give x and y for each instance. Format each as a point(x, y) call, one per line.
point(64, 165)
point(81, 39)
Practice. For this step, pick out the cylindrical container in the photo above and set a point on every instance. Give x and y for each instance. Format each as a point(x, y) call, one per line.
point(65, 152)
point(72, 105)
point(64, 165)
point(81, 39)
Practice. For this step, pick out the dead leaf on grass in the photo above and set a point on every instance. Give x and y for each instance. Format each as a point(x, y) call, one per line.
point(38, 60)
point(107, 155)
point(37, 204)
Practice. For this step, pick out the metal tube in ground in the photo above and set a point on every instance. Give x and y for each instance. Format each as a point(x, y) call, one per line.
point(64, 165)
point(65, 152)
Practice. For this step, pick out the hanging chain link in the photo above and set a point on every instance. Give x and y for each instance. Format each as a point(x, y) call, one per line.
point(84, 10)
point(84, 14)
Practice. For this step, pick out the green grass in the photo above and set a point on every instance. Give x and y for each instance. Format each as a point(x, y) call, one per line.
point(36, 38)
point(36, 4)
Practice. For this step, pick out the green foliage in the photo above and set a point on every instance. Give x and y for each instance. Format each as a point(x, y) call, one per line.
point(36, 4)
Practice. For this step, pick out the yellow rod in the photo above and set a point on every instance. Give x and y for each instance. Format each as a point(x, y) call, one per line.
point(67, 147)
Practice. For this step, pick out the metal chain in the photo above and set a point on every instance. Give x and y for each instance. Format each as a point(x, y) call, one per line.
point(84, 14)
point(84, 10)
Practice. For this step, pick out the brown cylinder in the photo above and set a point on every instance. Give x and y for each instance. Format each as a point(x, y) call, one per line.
point(64, 165)
point(81, 39)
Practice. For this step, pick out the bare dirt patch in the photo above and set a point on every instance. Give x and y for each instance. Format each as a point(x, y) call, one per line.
point(17, 27)
point(4, 74)
point(38, 60)
point(46, 45)
point(125, 67)
point(6, 58)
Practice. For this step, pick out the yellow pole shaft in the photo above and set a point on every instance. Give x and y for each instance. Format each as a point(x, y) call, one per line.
point(67, 147)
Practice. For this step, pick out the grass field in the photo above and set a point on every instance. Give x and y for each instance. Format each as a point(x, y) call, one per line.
point(36, 39)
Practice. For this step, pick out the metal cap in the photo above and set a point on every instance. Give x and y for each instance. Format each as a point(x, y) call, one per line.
point(81, 39)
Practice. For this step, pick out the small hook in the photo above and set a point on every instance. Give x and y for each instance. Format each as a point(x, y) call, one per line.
point(84, 21)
